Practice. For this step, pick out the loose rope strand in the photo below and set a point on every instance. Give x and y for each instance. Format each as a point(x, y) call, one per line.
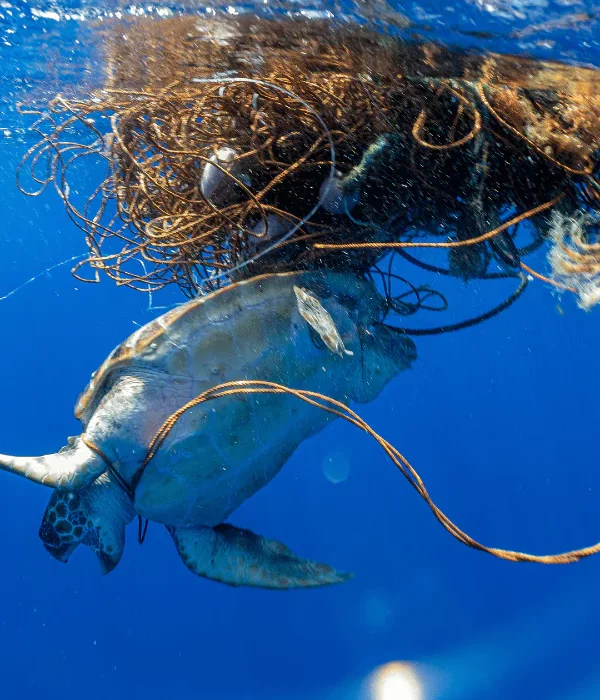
point(325, 403)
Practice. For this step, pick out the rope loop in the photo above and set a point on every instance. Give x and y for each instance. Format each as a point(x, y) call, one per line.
point(337, 408)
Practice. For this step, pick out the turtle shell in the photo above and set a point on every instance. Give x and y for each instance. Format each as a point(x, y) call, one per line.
point(162, 344)
point(218, 454)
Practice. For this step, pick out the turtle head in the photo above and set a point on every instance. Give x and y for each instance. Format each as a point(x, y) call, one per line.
point(95, 516)
point(64, 524)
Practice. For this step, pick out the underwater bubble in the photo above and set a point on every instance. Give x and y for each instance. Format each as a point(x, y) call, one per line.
point(336, 466)
point(377, 611)
point(396, 680)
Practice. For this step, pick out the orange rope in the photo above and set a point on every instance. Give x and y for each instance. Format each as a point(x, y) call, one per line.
point(339, 409)
point(538, 276)
point(444, 244)
point(420, 123)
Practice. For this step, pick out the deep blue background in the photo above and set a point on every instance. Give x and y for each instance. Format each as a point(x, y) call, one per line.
point(501, 421)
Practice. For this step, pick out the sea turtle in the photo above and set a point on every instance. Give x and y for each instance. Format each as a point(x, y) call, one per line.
point(317, 331)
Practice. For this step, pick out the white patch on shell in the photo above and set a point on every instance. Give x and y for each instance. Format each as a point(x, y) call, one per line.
point(315, 314)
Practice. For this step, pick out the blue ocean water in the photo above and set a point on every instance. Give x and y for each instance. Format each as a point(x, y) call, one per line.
point(501, 421)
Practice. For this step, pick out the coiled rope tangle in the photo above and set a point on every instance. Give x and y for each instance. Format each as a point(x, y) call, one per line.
point(292, 125)
point(325, 403)
point(363, 245)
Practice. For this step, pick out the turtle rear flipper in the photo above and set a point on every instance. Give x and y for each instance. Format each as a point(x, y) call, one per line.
point(238, 557)
point(95, 516)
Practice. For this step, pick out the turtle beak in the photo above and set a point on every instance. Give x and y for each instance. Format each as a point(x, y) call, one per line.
point(52, 544)
point(61, 553)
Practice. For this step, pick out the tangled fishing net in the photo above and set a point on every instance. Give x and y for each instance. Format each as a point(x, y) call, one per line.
point(222, 150)
point(575, 255)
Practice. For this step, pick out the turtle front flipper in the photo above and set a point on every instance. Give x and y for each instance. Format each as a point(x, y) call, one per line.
point(238, 557)
point(74, 467)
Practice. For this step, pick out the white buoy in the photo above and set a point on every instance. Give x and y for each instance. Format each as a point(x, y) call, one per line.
point(218, 186)
point(333, 198)
point(271, 229)
point(267, 231)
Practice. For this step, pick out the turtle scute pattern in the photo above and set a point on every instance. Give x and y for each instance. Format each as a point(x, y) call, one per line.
point(65, 522)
